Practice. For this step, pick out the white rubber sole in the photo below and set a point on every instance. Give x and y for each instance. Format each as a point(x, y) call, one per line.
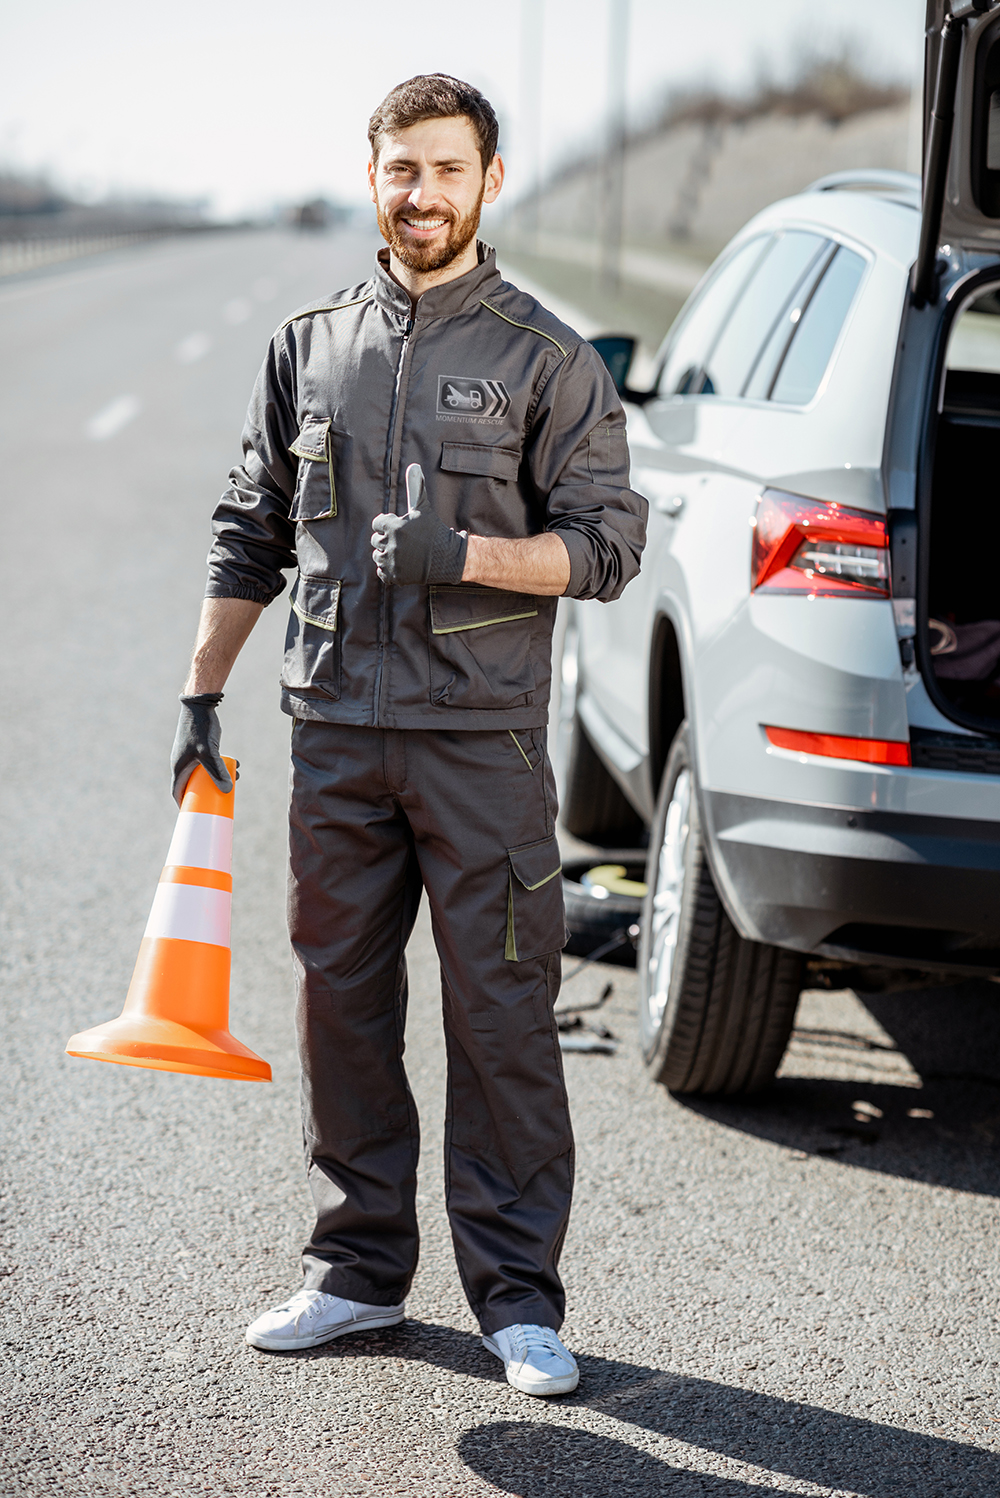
point(544, 1390)
point(294, 1344)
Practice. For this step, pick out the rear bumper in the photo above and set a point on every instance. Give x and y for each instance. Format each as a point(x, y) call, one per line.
point(858, 885)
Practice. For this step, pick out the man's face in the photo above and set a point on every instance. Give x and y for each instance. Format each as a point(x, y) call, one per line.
point(428, 187)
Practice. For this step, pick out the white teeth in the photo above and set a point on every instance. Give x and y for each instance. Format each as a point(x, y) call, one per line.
point(425, 223)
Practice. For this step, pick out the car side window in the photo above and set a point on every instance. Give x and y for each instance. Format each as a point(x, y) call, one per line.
point(776, 278)
point(686, 351)
point(815, 337)
point(758, 387)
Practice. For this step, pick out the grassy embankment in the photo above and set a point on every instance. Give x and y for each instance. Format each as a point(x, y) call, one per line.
point(640, 310)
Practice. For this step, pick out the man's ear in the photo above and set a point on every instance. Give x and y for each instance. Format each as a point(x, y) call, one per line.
point(494, 179)
point(371, 182)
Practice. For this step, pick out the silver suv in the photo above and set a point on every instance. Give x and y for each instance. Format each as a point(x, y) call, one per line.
point(798, 700)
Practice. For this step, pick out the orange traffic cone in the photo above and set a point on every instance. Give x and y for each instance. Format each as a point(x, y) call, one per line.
point(176, 1015)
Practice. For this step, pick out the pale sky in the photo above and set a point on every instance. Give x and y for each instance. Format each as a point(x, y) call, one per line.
point(249, 102)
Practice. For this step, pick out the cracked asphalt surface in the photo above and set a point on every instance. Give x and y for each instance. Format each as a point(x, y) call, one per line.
point(794, 1295)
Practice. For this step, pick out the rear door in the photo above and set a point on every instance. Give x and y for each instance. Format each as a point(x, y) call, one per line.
point(731, 347)
point(663, 445)
point(971, 218)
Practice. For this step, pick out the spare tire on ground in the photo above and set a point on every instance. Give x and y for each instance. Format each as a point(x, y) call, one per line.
point(603, 895)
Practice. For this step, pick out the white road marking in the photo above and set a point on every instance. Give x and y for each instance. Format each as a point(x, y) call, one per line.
point(112, 417)
point(192, 348)
point(238, 310)
point(264, 289)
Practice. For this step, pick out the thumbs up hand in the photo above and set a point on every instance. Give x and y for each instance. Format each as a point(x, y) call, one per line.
point(417, 547)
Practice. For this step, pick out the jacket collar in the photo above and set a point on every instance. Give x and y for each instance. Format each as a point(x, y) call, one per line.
point(455, 296)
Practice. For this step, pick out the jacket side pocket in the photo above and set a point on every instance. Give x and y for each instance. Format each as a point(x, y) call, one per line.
point(312, 643)
point(480, 646)
point(536, 923)
point(315, 496)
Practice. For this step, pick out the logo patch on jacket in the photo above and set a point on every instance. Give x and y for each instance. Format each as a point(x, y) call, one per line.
point(461, 399)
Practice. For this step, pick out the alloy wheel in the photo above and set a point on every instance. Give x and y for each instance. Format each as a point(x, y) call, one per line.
point(666, 903)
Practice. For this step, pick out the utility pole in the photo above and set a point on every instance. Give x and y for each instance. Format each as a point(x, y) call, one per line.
point(530, 120)
point(613, 184)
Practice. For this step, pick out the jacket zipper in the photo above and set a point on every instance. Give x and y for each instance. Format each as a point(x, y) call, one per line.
point(383, 613)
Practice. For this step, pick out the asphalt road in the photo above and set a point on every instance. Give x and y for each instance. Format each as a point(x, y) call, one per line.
point(798, 1296)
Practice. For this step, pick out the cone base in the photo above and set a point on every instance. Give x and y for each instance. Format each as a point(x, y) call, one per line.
point(164, 1045)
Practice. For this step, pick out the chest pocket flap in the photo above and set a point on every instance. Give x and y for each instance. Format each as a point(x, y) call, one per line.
point(482, 459)
point(315, 496)
point(455, 607)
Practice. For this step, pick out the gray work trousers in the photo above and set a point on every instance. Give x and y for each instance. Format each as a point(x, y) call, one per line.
point(376, 816)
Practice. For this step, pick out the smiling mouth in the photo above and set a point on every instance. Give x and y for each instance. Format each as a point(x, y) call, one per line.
point(424, 226)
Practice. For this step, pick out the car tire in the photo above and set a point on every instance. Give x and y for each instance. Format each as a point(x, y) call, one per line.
point(715, 1010)
point(594, 808)
point(592, 805)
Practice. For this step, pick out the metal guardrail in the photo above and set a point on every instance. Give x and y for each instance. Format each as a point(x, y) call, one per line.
point(43, 244)
point(25, 254)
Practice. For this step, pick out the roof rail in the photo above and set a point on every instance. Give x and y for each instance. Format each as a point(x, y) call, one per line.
point(899, 187)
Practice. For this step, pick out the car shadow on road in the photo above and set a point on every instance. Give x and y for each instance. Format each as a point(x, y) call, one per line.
point(945, 1131)
point(788, 1438)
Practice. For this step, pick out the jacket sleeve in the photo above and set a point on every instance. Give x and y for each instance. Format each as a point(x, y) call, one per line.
point(253, 538)
point(577, 455)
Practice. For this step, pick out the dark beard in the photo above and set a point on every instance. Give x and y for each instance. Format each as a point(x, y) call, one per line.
point(422, 258)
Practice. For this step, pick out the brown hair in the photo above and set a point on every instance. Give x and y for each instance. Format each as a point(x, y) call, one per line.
point(435, 96)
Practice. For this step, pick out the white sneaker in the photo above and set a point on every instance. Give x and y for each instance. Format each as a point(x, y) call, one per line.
point(535, 1359)
point(312, 1317)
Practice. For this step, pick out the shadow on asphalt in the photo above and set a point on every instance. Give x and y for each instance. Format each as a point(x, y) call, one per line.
point(951, 1037)
point(539, 1460)
point(795, 1440)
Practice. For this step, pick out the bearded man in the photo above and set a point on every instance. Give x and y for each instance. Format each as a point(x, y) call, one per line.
point(439, 459)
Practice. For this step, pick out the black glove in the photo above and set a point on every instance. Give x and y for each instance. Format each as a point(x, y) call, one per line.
point(417, 547)
point(197, 743)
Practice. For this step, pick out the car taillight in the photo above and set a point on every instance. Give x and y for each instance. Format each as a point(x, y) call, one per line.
point(819, 548)
point(836, 746)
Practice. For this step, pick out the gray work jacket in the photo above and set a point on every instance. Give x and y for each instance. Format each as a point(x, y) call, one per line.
point(519, 430)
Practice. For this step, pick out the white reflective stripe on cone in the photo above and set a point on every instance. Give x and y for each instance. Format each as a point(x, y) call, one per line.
point(190, 912)
point(202, 841)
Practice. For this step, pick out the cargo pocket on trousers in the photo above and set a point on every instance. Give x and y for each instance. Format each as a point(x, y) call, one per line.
point(312, 644)
point(480, 646)
point(315, 496)
point(536, 924)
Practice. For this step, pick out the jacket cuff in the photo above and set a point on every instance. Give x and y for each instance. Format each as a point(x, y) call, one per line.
point(580, 551)
point(215, 588)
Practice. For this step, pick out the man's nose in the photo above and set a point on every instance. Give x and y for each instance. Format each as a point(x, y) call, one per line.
point(423, 194)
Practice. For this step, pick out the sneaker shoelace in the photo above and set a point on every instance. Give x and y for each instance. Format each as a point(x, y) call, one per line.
point(304, 1303)
point(526, 1339)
